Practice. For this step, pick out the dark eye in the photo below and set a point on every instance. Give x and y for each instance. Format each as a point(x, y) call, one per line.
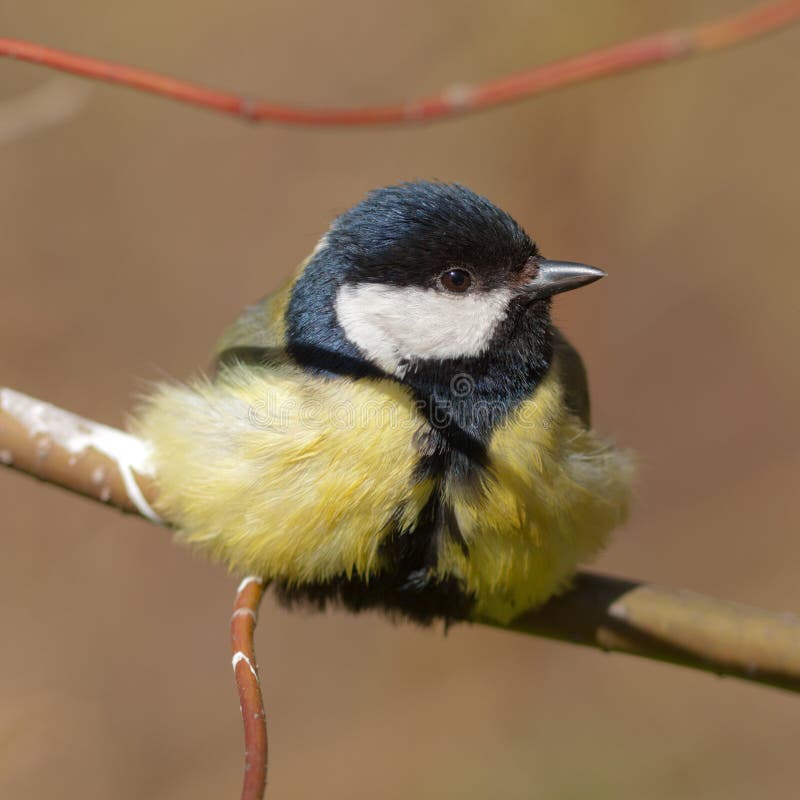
point(456, 280)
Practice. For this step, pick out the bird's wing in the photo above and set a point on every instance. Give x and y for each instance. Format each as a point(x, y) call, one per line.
point(258, 335)
point(573, 377)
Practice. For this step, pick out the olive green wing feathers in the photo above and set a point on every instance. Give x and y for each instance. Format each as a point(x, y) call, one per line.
point(258, 336)
point(573, 377)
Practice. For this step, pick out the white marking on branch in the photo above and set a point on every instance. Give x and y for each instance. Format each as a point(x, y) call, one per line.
point(459, 95)
point(618, 611)
point(43, 448)
point(76, 435)
point(248, 612)
point(247, 581)
point(240, 656)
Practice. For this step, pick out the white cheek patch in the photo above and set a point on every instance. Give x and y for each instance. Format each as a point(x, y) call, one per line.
point(391, 324)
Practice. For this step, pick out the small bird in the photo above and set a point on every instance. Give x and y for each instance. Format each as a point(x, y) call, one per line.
point(402, 426)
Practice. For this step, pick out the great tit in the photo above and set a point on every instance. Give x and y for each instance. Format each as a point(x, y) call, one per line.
point(401, 427)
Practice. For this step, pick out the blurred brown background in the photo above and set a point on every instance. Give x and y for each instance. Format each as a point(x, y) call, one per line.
point(132, 233)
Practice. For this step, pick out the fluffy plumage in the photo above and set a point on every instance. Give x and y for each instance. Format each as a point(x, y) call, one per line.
point(467, 483)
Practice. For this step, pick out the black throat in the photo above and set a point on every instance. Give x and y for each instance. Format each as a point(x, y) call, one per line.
point(464, 399)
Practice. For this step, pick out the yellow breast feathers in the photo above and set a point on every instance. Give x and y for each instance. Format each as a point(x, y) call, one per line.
point(290, 476)
point(552, 493)
point(281, 474)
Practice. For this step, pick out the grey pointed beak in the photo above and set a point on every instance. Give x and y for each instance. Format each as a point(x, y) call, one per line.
point(553, 277)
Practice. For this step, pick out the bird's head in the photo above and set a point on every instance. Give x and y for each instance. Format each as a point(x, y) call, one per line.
point(422, 274)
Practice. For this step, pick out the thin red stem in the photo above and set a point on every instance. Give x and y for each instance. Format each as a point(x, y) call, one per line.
point(245, 670)
point(658, 48)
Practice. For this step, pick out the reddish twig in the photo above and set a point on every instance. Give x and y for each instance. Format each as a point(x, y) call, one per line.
point(245, 670)
point(658, 48)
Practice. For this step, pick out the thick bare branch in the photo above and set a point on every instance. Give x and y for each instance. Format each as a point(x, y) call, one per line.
point(673, 625)
point(75, 453)
point(461, 99)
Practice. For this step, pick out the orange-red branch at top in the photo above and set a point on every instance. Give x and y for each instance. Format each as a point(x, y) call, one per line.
point(658, 48)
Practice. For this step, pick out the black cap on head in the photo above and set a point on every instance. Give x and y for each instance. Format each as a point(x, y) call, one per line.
point(409, 233)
